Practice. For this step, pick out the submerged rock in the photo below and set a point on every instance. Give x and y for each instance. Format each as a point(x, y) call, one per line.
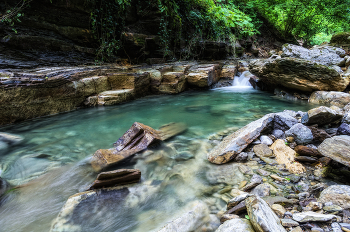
point(81, 210)
point(337, 194)
point(10, 138)
point(237, 225)
point(196, 216)
point(262, 217)
point(235, 143)
point(337, 148)
point(3, 186)
point(117, 177)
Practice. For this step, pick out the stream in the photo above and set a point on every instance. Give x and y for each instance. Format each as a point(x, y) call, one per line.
point(51, 164)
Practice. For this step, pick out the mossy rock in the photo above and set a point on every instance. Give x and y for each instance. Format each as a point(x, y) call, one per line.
point(341, 38)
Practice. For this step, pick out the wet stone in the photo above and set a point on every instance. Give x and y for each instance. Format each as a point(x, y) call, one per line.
point(262, 150)
point(289, 223)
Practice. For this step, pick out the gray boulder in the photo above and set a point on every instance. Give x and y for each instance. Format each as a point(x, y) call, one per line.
point(301, 134)
point(237, 225)
point(298, 74)
point(320, 115)
point(279, 134)
point(235, 143)
point(344, 129)
point(335, 98)
point(337, 194)
point(325, 55)
point(284, 121)
point(337, 148)
point(261, 216)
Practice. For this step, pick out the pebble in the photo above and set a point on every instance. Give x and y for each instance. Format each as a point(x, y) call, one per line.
point(336, 227)
point(278, 209)
point(263, 172)
point(332, 208)
point(289, 223)
point(277, 178)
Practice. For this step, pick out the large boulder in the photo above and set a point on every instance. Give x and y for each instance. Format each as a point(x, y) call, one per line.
point(203, 75)
point(261, 216)
point(337, 148)
point(339, 99)
point(235, 143)
point(342, 38)
point(173, 82)
point(320, 115)
point(325, 55)
point(237, 225)
point(337, 194)
point(298, 74)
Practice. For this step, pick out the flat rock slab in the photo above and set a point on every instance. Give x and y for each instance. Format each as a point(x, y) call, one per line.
point(236, 225)
point(235, 143)
point(312, 217)
point(117, 177)
point(337, 148)
point(262, 217)
point(114, 97)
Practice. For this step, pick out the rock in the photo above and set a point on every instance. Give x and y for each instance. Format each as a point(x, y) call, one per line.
point(229, 71)
point(73, 216)
point(3, 147)
point(237, 225)
point(315, 206)
point(262, 172)
point(312, 217)
point(227, 217)
point(116, 178)
point(336, 227)
point(275, 177)
point(236, 200)
point(262, 190)
point(261, 215)
point(346, 118)
point(285, 155)
point(339, 99)
point(239, 140)
point(307, 159)
point(289, 223)
point(238, 209)
point(169, 130)
point(320, 115)
point(319, 134)
point(337, 194)
point(203, 75)
point(284, 121)
point(340, 38)
point(298, 74)
point(228, 174)
point(262, 150)
point(279, 134)
point(265, 140)
point(278, 209)
point(254, 181)
point(344, 129)
point(196, 216)
point(112, 97)
point(139, 83)
point(332, 209)
point(307, 151)
point(172, 83)
point(301, 134)
point(325, 55)
point(297, 229)
point(337, 148)
point(10, 138)
point(241, 157)
point(3, 186)
point(277, 200)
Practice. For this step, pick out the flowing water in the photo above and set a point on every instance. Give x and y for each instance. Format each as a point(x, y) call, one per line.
point(51, 164)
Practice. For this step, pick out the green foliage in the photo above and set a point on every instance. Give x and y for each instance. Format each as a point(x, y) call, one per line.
point(304, 19)
point(13, 14)
point(247, 217)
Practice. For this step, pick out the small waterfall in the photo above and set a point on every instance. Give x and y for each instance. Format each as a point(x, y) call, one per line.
point(242, 81)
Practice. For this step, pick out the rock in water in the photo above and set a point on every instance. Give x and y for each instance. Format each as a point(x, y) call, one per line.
point(262, 217)
point(239, 140)
point(337, 148)
point(117, 177)
point(236, 225)
point(136, 139)
point(196, 216)
point(10, 138)
point(337, 194)
point(73, 216)
point(3, 186)
point(285, 155)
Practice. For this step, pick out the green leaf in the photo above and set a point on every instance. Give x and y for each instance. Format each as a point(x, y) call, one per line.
point(247, 217)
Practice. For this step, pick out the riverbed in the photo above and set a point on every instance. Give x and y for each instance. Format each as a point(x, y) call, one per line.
point(51, 163)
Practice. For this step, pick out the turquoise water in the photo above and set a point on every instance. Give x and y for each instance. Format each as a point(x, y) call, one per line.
point(51, 163)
